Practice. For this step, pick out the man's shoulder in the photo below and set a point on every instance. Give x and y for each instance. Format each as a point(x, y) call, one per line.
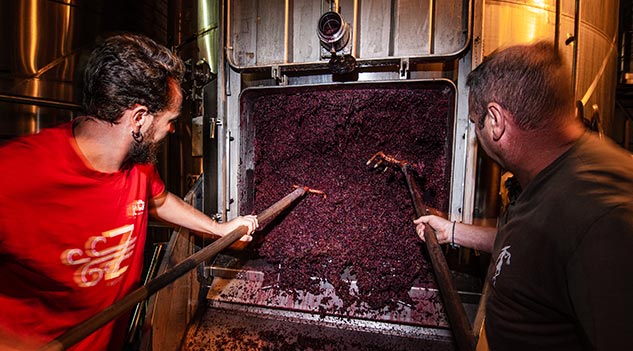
point(596, 152)
point(597, 177)
point(41, 141)
point(26, 154)
point(592, 163)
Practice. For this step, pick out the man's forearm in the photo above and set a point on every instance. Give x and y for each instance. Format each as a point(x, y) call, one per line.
point(174, 210)
point(475, 237)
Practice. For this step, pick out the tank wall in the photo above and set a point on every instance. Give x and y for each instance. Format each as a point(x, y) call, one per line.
point(46, 44)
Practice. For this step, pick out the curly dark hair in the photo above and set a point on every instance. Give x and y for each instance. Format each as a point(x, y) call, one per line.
point(530, 81)
point(128, 69)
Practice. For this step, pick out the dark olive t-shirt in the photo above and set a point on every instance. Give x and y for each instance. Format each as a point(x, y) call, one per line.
point(562, 267)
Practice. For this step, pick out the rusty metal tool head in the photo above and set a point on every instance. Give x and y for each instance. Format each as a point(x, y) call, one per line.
point(311, 190)
point(382, 159)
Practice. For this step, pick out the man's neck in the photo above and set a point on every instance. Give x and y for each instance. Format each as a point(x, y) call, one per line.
point(102, 144)
point(539, 149)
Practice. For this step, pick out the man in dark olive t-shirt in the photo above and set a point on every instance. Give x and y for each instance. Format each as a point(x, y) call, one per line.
point(560, 276)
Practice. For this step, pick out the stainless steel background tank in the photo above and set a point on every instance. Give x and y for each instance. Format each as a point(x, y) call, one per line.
point(45, 43)
point(586, 32)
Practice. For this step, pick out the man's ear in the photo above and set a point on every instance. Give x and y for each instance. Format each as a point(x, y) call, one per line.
point(497, 115)
point(140, 116)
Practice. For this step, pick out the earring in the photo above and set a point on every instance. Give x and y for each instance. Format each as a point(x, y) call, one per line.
point(137, 136)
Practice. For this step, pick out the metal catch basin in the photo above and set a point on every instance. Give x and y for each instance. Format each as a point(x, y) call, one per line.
point(247, 287)
point(242, 314)
point(248, 328)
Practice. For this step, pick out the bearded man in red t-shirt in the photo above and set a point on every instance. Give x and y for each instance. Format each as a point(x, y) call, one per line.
point(74, 200)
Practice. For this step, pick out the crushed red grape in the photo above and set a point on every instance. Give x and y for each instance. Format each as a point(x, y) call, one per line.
point(323, 139)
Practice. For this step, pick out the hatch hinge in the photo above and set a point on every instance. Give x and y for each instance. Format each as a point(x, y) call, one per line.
point(281, 79)
point(404, 68)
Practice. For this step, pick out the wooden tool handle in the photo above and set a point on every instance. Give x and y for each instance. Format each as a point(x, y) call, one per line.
point(457, 318)
point(269, 214)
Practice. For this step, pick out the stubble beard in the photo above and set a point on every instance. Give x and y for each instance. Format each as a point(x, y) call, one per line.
point(146, 151)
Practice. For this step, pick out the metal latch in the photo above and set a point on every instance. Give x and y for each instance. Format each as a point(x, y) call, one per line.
point(404, 68)
point(212, 124)
point(281, 79)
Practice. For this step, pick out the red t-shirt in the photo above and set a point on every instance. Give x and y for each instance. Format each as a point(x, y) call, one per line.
point(71, 238)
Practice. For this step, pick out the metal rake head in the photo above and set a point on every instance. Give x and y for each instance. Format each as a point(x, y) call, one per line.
point(381, 159)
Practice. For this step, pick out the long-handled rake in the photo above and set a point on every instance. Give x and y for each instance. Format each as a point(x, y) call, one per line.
point(457, 318)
